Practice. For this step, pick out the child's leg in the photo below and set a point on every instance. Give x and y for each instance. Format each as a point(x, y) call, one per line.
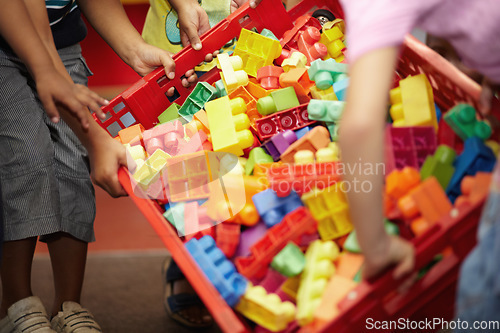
point(15, 271)
point(68, 256)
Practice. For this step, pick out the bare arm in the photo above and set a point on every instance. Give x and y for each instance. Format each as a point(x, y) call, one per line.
point(361, 139)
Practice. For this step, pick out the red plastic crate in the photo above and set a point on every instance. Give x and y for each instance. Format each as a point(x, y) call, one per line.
point(433, 295)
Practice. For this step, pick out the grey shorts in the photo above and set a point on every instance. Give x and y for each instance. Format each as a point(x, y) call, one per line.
point(44, 169)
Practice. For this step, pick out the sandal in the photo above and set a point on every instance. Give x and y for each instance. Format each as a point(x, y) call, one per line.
point(176, 303)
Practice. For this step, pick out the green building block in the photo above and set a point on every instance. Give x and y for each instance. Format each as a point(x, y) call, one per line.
point(333, 128)
point(290, 261)
point(278, 100)
point(439, 165)
point(220, 90)
point(351, 243)
point(324, 110)
point(462, 119)
point(358, 277)
point(326, 72)
point(171, 113)
point(268, 33)
point(202, 93)
point(175, 215)
point(257, 156)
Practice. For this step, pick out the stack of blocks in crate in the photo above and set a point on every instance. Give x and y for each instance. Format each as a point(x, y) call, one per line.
point(287, 255)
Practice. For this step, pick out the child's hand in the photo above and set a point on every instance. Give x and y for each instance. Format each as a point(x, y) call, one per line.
point(235, 4)
point(396, 251)
point(55, 91)
point(193, 22)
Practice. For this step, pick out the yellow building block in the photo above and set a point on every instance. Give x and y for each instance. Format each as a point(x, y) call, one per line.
point(267, 310)
point(296, 60)
point(332, 39)
point(256, 51)
point(338, 287)
point(229, 125)
point(290, 286)
point(413, 103)
point(313, 280)
point(148, 172)
point(327, 94)
point(232, 74)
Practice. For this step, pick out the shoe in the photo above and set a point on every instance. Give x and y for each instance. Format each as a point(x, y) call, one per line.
point(74, 319)
point(175, 303)
point(26, 316)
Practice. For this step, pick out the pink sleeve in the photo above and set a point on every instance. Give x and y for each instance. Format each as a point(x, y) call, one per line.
point(374, 24)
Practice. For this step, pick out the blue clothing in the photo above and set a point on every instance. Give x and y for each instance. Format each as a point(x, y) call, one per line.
point(478, 297)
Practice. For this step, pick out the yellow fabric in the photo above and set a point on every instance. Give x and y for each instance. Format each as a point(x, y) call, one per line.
point(161, 27)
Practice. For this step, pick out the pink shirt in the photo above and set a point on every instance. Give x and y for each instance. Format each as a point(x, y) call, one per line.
point(471, 26)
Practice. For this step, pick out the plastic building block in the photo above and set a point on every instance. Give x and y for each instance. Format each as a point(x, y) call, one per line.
point(136, 152)
point(290, 261)
point(220, 89)
point(272, 282)
point(494, 146)
point(257, 156)
point(132, 134)
point(166, 137)
point(188, 176)
point(462, 119)
point(326, 95)
point(439, 165)
point(302, 178)
point(302, 131)
point(290, 287)
point(303, 157)
point(265, 309)
point(351, 243)
point(328, 154)
point(268, 76)
point(249, 237)
point(296, 60)
point(197, 142)
point(250, 102)
point(308, 44)
point(317, 138)
point(149, 172)
point(256, 51)
point(329, 111)
point(229, 125)
point(325, 72)
point(291, 119)
point(340, 88)
point(202, 93)
point(171, 113)
point(475, 157)
point(349, 264)
point(269, 34)
point(196, 221)
point(313, 280)
point(293, 226)
point(413, 103)
point(299, 80)
point(399, 182)
point(279, 143)
point(219, 271)
point(332, 39)
point(278, 100)
point(272, 208)
point(474, 188)
point(199, 122)
point(408, 146)
point(330, 208)
point(337, 289)
point(232, 74)
point(303, 22)
point(227, 237)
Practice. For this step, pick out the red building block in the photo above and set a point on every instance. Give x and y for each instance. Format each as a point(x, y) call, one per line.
point(408, 146)
point(227, 237)
point(310, 46)
point(291, 228)
point(268, 76)
point(291, 119)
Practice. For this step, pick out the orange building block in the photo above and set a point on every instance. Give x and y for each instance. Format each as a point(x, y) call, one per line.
point(132, 134)
point(337, 288)
point(474, 188)
point(400, 182)
point(299, 80)
point(315, 139)
point(349, 264)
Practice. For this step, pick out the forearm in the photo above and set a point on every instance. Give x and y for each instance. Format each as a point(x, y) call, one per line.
point(109, 19)
point(361, 141)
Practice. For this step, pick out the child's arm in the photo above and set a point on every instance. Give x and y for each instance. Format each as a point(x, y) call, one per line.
point(361, 138)
point(19, 31)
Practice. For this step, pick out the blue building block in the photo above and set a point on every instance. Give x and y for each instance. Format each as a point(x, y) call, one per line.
point(202, 93)
point(340, 88)
point(301, 132)
point(438, 112)
point(219, 270)
point(475, 157)
point(272, 208)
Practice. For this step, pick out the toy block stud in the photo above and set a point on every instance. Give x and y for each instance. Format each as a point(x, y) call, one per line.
point(318, 270)
point(326, 95)
point(303, 157)
point(283, 140)
point(296, 60)
point(278, 100)
point(164, 136)
point(413, 103)
point(474, 188)
point(317, 138)
point(265, 309)
point(229, 125)
point(219, 271)
point(327, 154)
point(400, 182)
point(325, 72)
point(309, 45)
point(272, 209)
point(268, 76)
point(256, 51)
point(257, 156)
point(299, 80)
point(462, 119)
point(202, 93)
point(439, 165)
point(329, 111)
point(290, 261)
point(232, 74)
point(332, 39)
point(171, 113)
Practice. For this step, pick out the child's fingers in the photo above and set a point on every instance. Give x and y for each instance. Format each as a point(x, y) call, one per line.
point(189, 35)
point(50, 108)
point(78, 110)
point(92, 100)
point(169, 65)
